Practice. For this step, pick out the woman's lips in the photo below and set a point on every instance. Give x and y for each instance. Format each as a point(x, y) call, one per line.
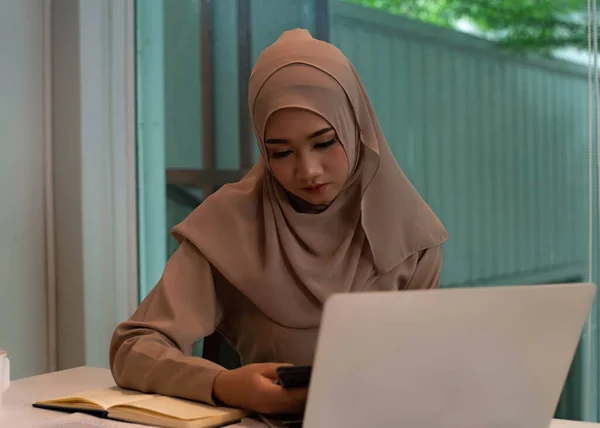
point(315, 188)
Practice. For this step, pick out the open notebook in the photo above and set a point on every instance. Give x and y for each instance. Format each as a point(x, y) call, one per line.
point(150, 409)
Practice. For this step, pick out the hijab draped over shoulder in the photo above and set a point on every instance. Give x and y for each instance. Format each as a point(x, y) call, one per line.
point(288, 262)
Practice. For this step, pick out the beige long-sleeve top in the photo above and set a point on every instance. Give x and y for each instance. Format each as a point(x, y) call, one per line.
point(151, 351)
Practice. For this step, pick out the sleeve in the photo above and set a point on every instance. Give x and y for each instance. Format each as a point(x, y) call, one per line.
point(427, 271)
point(151, 351)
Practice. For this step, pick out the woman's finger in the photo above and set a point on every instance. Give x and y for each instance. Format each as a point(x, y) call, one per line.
point(270, 370)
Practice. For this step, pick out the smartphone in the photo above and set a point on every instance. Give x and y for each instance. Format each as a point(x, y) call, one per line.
point(294, 376)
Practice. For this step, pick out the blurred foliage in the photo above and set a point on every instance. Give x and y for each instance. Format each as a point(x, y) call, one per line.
point(525, 25)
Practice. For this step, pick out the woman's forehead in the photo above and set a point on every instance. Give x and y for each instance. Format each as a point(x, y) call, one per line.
point(295, 122)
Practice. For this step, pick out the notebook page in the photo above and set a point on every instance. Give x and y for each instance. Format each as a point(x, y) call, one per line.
point(105, 397)
point(181, 409)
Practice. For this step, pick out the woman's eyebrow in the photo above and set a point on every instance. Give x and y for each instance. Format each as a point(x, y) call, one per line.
point(276, 141)
point(320, 132)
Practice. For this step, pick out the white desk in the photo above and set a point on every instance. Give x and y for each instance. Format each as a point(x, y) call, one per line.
point(17, 409)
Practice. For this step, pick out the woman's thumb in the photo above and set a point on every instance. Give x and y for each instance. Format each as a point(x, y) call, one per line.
point(270, 370)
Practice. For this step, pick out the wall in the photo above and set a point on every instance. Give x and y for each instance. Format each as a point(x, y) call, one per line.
point(22, 229)
point(68, 265)
point(94, 175)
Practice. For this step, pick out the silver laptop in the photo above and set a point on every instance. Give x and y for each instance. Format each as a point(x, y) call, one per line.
point(489, 357)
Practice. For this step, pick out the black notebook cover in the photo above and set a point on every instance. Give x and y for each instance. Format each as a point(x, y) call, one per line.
point(92, 412)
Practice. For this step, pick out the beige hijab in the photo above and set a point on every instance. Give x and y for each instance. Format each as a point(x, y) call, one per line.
point(288, 262)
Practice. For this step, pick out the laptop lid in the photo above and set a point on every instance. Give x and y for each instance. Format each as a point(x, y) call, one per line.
point(493, 357)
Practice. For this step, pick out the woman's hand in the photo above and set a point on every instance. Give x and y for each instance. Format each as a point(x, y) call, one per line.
point(253, 387)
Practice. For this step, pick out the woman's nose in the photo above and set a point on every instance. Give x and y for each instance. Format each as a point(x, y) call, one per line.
point(308, 169)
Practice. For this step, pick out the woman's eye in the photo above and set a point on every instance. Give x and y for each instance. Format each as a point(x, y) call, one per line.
point(277, 155)
point(325, 144)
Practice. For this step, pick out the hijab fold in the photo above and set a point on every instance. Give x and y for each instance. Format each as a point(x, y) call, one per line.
point(252, 234)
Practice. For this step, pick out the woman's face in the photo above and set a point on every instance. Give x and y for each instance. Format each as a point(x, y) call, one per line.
point(305, 155)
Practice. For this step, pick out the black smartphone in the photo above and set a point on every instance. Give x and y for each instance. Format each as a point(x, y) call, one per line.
point(294, 376)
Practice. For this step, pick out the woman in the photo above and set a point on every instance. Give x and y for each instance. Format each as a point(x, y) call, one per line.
point(326, 210)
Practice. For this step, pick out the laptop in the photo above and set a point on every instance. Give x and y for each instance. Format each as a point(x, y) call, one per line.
point(488, 357)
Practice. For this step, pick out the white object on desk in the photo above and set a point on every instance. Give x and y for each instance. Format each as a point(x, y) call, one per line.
point(18, 410)
point(4, 375)
point(81, 420)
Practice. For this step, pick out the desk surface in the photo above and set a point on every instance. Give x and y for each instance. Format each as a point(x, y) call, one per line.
point(17, 410)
